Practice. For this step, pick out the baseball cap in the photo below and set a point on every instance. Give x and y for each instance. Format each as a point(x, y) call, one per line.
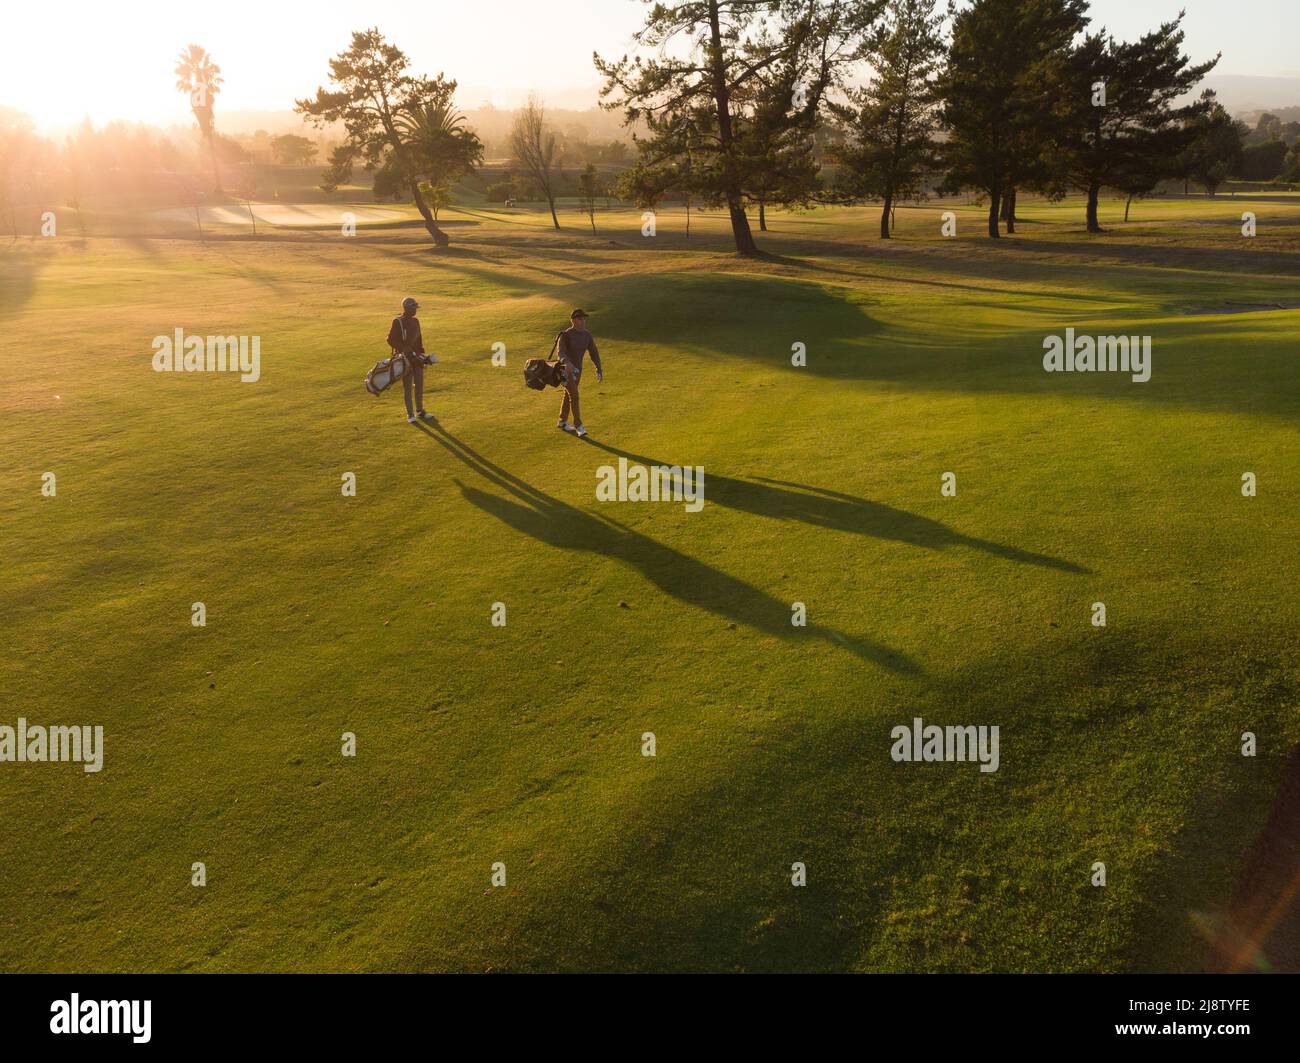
point(579, 313)
point(408, 302)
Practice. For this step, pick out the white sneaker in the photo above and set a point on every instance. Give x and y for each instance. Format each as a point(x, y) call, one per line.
point(411, 420)
point(425, 415)
point(581, 431)
point(563, 426)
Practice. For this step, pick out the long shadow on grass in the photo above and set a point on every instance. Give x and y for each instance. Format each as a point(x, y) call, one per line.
point(824, 508)
point(565, 527)
point(1206, 260)
point(936, 263)
point(754, 319)
point(457, 260)
point(19, 268)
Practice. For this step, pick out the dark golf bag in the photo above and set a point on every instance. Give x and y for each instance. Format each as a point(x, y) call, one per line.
point(539, 374)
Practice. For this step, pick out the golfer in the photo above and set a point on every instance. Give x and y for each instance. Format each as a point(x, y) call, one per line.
point(574, 342)
point(405, 339)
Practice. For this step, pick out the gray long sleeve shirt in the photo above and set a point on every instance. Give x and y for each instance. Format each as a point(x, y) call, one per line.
point(574, 343)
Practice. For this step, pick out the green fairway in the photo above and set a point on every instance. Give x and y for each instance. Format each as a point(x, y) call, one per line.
point(478, 744)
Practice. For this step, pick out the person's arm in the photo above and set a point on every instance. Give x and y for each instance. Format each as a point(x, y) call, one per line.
point(394, 337)
point(419, 339)
point(595, 357)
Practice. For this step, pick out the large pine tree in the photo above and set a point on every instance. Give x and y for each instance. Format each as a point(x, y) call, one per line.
point(998, 105)
point(734, 83)
point(891, 123)
point(1119, 126)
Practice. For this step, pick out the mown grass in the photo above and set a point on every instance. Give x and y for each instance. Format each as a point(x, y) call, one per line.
point(521, 744)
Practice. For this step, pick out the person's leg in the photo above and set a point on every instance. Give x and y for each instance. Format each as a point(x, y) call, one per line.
point(564, 405)
point(572, 390)
point(419, 389)
point(406, 392)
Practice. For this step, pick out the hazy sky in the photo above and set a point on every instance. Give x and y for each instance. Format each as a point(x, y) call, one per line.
point(114, 60)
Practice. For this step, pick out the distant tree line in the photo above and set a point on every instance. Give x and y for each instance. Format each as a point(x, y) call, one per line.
point(743, 100)
point(742, 105)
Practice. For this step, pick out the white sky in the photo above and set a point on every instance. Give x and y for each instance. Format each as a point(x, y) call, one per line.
point(111, 60)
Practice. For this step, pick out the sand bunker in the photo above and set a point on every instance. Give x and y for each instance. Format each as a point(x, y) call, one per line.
point(286, 214)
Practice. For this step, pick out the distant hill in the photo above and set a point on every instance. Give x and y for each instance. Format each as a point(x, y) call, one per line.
point(1243, 94)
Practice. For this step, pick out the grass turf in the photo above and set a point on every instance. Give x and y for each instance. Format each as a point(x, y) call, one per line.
point(521, 744)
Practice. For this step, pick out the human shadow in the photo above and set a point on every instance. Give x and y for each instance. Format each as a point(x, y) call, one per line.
point(825, 508)
point(549, 520)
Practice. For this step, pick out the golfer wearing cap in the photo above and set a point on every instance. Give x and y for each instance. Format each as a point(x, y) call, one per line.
point(574, 342)
point(405, 339)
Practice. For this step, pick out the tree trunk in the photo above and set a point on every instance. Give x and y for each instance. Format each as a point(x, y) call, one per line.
point(1009, 209)
point(740, 230)
point(884, 215)
point(1128, 203)
point(762, 215)
point(550, 199)
point(439, 237)
point(995, 205)
point(1094, 191)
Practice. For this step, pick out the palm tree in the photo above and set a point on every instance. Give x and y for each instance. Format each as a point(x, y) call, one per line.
point(429, 128)
point(440, 146)
point(200, 78)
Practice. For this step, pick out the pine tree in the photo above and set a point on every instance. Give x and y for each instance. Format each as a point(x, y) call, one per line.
point(891, 124)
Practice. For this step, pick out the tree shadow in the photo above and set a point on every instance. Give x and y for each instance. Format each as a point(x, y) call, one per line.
point(492, 270)
point(546, 519)
point(824, 508)
point(19, 267)
point(1206, 260)
point(756, 318)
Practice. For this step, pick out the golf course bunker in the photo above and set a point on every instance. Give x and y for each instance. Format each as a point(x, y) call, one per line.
point(287, 215)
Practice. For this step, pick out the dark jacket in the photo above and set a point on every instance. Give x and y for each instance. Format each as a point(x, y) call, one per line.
point(404, 335)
